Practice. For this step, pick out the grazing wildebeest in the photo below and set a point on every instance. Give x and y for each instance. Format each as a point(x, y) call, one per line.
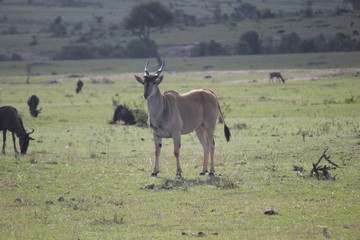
point(172, 114)
point(33, 102)
point(10, 120)
point(79, 86)
point(122, 113)
point(276, 75)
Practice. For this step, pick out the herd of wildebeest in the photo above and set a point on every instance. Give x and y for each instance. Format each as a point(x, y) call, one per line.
point(170, 115)
point(11, 121)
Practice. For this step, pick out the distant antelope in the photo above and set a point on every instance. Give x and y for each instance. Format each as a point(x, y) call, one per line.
point(276, 75)
point(172, 114)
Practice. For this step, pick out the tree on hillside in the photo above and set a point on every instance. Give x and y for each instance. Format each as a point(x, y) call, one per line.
point(145, 17)
point(341, 42)
point(354, 3)
point(289, 43)
point(249, 43)
point(246, 10)
point(57, 28)
point(208, 49)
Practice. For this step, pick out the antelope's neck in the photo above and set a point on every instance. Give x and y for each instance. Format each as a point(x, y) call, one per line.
point(155, 105)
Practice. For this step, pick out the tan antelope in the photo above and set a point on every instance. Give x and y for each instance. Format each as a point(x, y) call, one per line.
point(276, 75)
point(172, 114)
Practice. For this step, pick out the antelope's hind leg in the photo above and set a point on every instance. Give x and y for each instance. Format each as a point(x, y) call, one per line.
point(211, 145)
point(200, 133)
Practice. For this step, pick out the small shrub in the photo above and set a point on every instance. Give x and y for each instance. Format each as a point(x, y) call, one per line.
point(12, 57)
point(11, 30)
point(34, 41)
point(57, 28)
point(308, 12)
point(137, 49)
point(240, 126)
point(16, 57)
point(352, 99)
point(107, 81)
point(211, 48)
point(224, 183)
point(76, 52)
point(330, 101)
point(141, 117)
point(265, 13)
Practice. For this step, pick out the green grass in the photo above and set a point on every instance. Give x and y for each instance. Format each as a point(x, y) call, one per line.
point(15, 72)
point(85, 179)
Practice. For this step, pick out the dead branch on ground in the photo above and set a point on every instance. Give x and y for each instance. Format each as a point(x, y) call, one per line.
point(324, 169)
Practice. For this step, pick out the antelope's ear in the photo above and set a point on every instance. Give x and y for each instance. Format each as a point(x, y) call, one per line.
point(159, 80)
point(139, 79)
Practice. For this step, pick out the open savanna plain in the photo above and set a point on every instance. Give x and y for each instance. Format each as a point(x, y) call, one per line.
point(83, 178)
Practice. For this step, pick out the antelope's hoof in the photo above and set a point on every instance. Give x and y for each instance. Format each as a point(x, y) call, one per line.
point(211, 174)
point(154, 174)
point(203, 173)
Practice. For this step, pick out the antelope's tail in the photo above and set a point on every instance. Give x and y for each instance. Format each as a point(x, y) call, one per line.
point(226, 129)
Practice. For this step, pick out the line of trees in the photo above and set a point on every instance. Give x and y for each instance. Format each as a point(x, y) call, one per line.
point(144, 18)
point(134, 49)
point(250, 43)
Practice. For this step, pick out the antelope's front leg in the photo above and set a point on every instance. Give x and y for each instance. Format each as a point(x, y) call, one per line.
point(158, 145)
point(177, 145)
point(14, 142)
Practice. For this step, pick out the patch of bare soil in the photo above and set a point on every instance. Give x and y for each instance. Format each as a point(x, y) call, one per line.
point(304, 75)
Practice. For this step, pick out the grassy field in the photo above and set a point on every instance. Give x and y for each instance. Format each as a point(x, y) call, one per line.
point(85, 179)
point(51, 70)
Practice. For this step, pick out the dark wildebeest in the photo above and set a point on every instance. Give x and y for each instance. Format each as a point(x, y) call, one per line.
point(276, 75)
point(172, 114)
point(10, 120)
point(122, 113)
point(79, 86)
point(33, 102)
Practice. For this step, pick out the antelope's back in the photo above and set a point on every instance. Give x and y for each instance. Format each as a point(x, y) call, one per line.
point(198, 105)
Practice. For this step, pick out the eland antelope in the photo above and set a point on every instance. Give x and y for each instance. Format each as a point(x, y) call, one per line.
point(171, 114)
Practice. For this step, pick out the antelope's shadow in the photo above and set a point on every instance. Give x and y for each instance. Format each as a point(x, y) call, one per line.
point(221, 182)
